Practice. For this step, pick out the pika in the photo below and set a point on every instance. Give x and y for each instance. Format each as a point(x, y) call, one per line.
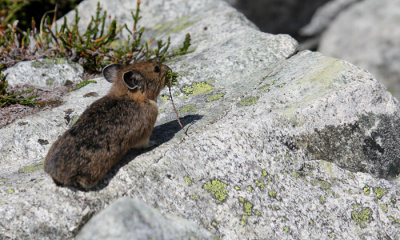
point(123, 119)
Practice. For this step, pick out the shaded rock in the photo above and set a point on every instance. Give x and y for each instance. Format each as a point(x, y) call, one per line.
point(324, 16)
point(366, 34)
point(277, 16)
point(268, 150)
point(133, 219)
point(45, 73)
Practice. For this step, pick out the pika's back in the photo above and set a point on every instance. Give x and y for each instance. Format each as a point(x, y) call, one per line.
point(108, 128)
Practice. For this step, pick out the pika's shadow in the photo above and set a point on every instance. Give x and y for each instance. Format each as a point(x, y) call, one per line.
point(161, 134)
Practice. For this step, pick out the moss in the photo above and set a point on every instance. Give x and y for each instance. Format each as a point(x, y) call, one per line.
point(82, 84)
point(187, 108)
point(367, 190)
point(215, 97)
point(248, 208)
point(217, 190)
point(197, 89)
point(363, 216)
point(248, 101)
point(379, 192)
point(272, 193)
point(32, 168)
point(188, 180)
point(260, 184)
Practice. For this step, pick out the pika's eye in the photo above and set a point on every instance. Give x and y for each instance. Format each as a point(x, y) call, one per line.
point(157, 69)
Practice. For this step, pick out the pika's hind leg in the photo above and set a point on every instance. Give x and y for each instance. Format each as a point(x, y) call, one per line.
point(145, 143)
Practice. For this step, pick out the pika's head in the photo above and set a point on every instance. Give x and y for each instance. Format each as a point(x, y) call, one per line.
point(144, 78)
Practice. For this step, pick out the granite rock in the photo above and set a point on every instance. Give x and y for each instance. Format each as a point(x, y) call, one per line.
point(280, 144)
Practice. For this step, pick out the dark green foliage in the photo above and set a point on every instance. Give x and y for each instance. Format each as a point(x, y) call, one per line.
point(25, 10)
point(93, 49)
point(8, 98)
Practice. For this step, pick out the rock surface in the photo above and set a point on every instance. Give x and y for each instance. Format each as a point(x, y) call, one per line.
point(366, 34)
point(133, 219)
point(45, 73)
point(280, 145)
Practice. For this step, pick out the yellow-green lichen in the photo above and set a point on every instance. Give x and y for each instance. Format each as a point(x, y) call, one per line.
point(283, 219)
point(384, 207)
point(248, 208)
point(367, 190)
point(277, 208)
point(50, 81)
point(379, 192)
point(188, 180)
point(194, 197)
point(363, 216)
point(32, 168)
point(164, 98)
point(264, 173)
point(272, 193)
point(247, 101)
point(250, 188)
point(322, 199)
point(10, 191)
point(237, 188)
point(187, 108)
point(286, 230)
point(243, 220)
point(215, 97)
point(217, 189)
point(37, 64)
point(295, 174)
point(197, 89)
point(266, 87)
point(2, 203)
point(258, 213)
point(260, 184)
point(241, 199)
point(3, 180)
point(394, 220)
point(317, 83)
point(214, 223)
point(325, 185)
point(331, 235)
point(311, 222)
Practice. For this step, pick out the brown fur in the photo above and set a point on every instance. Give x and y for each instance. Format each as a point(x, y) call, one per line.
point(108, 128)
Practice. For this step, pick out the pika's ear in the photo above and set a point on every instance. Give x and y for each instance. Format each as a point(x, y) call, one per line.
point(110, 72)
point(133, 79)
